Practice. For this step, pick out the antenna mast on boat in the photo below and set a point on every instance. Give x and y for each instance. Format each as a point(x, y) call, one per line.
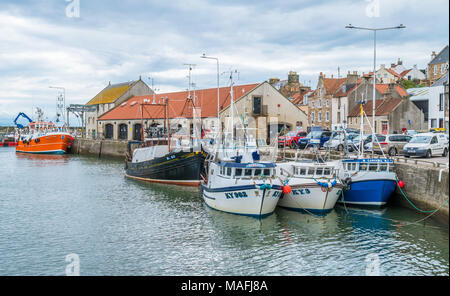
point(189, 76)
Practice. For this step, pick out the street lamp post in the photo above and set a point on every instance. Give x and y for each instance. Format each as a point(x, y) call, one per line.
point(374, 30)
point(218, 101)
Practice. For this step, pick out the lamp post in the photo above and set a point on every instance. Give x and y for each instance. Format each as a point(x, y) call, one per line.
point(218, 101)
point(374, 30)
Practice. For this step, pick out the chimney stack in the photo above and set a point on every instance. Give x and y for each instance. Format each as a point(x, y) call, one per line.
point(433, 54)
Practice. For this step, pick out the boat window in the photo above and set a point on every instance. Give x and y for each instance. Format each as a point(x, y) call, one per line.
point(319, 171)
point(391, 167)
point(383, 167)
point(310, 171)
point(327, 171)
point(238, 172)
point(248, 172)
point(353, 166)
point(257, 172)
point(302, 171)
point(363, 166)
point(267, 172)
point(228, 171)
point(373, 167)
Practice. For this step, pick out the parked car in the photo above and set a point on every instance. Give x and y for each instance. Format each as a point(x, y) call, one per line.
point(337, 142)
point(427, 145)
point(291, 139)
point(354, 145)
point(392, 144)
point(323, 136)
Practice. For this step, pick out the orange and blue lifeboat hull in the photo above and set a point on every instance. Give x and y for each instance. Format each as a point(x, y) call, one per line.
point(56, 143)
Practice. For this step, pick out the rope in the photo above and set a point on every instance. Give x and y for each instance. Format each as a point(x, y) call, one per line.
point(404, 195)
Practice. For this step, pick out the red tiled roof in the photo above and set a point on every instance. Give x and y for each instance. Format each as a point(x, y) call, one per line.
point(332, 84)
point(341, 93)
point(383, 88)
point(382, 107)
point(205, 98)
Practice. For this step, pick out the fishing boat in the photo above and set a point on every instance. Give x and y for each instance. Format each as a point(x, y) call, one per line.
point(8, 140)
point(242, 186)
point(238, 181)
point(156, 162)
point(42, 137)
point(162, 158)
point(367, 181)
point(313, 185)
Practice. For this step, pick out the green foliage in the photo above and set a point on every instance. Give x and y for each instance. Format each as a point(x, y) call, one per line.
point(410, 84)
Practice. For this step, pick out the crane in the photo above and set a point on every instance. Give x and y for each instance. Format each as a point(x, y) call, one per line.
point(23, 115)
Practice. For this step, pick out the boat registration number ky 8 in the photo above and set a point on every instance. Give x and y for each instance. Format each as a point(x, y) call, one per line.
point(301, 191)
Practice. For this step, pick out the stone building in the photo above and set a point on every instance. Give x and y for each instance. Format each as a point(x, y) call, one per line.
point(392, 115)
point(320, 102)
point(437, 67)
point(259, 106)
point(111, 96)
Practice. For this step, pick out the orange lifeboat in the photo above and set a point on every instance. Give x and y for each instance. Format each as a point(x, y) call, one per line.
point(44, 138)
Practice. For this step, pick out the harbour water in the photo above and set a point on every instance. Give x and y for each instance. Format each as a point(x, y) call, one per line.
point(52, 206)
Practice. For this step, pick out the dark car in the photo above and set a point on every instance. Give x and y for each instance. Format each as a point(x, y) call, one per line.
point(323, 136)
point(291, 139)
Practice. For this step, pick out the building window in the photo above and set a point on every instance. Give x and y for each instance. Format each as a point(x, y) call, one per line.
point(442, 68)
point(319, 103)
point(319, 117)
point(312, 117)
point(339, 117)
point(312, 104)
point(327, 116)
point(257, 105)
point(441, 102)
point(433, 123)
point(328, 103)
point(435, 69)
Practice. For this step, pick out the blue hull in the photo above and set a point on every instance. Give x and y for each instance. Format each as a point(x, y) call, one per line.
point(370, 193)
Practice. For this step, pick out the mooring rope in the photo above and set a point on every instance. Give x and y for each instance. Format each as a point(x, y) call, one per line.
point(431, 211)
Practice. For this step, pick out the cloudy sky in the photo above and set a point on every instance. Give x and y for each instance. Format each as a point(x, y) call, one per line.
point(53, 43)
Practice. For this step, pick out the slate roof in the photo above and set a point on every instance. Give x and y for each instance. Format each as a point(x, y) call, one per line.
point(441, 57)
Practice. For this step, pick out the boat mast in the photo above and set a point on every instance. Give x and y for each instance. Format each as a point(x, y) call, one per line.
point(232, 109)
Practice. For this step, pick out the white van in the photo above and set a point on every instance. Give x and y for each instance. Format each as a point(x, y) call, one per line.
point(427, 145)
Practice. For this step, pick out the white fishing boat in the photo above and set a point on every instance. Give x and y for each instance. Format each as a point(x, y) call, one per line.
point(237, 181)
point(244, 188)
point(311, 185)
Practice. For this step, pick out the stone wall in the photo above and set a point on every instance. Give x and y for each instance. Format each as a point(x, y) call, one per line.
point(100, 148)
point(422, 187)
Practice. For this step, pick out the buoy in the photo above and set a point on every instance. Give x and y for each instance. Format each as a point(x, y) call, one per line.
point(401, 184)
point(287, 189)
